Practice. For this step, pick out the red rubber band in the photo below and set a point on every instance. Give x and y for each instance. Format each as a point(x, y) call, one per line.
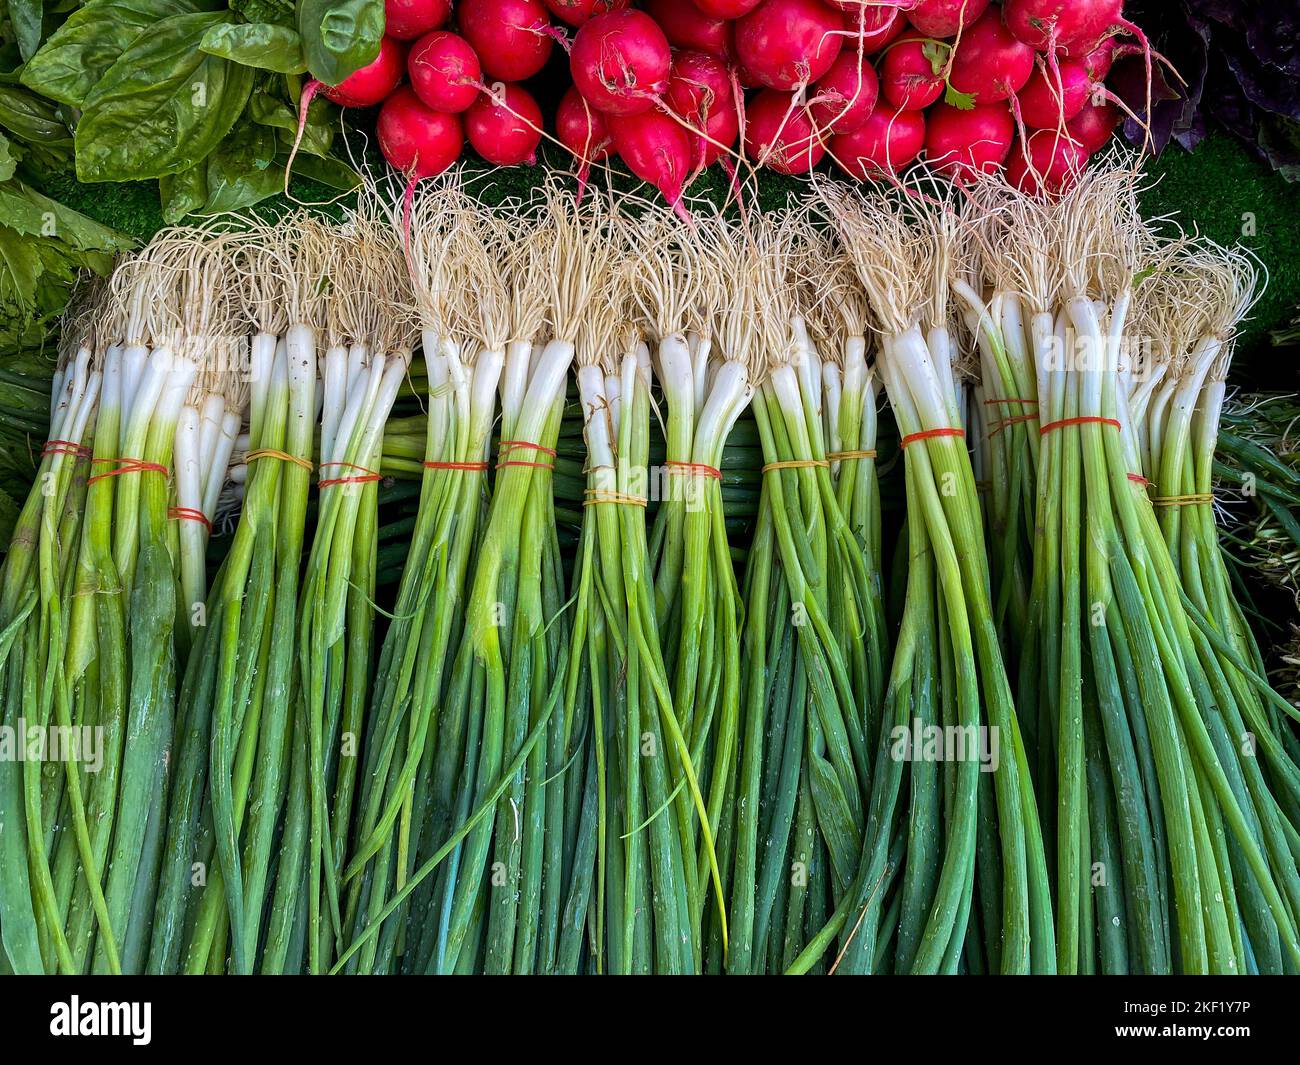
point(999, 426)
point(189, 514)
point(367, 475)
point(64, 447)
point(477, 467)
point(126, 466)
point(1137, 478)
point(1091, 419)
point(694, 469)
point(912, 438)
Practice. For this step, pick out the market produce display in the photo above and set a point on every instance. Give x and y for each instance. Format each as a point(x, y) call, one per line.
point(618, 579)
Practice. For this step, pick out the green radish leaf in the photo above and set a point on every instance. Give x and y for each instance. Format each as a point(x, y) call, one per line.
point(261, 45)
point(340, 38)
point(163, 106)
point(963, 101)
point(938, 53)
point(81, 51)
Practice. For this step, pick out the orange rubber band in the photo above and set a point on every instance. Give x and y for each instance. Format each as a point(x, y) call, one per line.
point(511, 445)
point(126, 466)
point(366, 477)
point(189, 514)
point(912, 438)
point(693, 469)
point(65, 447)
point(1089, 419)
point(1015, 420)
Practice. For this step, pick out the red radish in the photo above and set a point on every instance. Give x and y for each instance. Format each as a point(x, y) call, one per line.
point(686, 26)
point(416, 139)
point(699, 90)
point(882, 146)
point(576, 12)
point(725, 8)
point(620, 62)
point(656, 149)
point(505, 126)
point(943, 18)
point(512, 37)
point(581, 129)
point(990, 63)
point(878, 27)
point(1098, 60)
point(1047, 24)
point(907, 75)
point(1092, 127)
point(780, 135)
point(373, 82)
point(787, 43)
point(959, 141)
point(409, 19)
point(721, 131)
point(1046, 105)
point(1052, 163)
point(698, 84)
point(445, 71)
point(842, 100)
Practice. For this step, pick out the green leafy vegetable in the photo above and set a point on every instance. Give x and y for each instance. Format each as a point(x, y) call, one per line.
point(240, 173)
point(82, 50)
point(163, 106)
point(26, 17)
point(340, 38)
point(261, 45)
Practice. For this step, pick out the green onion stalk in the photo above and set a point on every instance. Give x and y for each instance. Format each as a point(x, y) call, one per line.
point(368, 313)
point(1211, 289)
point(504, 684)
point(952, 817)
point(812, 608)
point(33, 589)
point(1166, 843)
point(1004, 302)
point(238, 688)
point(463, 300)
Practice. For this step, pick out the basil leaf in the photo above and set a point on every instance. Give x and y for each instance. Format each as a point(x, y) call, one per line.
point(241, 172)
point(162, 106)
point(340, 38)
point(278, 11)
point(317, 135)
point(259, 45)
point(331, 172)
point(29, 118)
point(8, 164)
point(92, 39)
point(26, 17)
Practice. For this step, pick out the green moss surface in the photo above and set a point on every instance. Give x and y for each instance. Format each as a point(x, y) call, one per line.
point(1219, 189)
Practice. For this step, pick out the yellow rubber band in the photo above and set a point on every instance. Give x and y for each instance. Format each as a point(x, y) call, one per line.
point(595, 496)
point(1184, 501)
point(284, 456)
point(796, 464)
point(844, 456)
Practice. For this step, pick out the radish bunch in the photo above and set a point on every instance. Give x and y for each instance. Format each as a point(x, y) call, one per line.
point(674, 86)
